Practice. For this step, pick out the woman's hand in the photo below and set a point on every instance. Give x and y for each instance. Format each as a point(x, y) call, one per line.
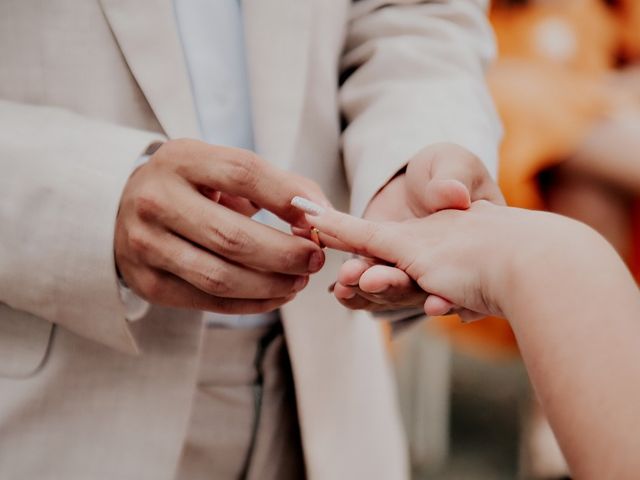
point(572, 303)
point(439, 177)
point(464, 257)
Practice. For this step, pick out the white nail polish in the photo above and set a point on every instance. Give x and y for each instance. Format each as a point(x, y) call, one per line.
point(307, 206)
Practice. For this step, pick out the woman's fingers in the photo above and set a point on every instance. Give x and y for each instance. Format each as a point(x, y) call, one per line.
point(363, 284)
point(379, 279)
point(359, 235)
point(435, 306)
point(392, 290)
point(352, 270)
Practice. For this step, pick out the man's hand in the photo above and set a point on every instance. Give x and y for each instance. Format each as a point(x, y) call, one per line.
point(441, 176)
point(176, 245)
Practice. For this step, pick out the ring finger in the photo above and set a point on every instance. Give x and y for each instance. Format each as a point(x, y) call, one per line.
point(216, 276)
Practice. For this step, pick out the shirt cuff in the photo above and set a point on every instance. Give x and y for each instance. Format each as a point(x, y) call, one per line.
point(135, 307)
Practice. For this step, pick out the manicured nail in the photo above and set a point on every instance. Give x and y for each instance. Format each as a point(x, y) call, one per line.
point(307, 206)
point(316, 260)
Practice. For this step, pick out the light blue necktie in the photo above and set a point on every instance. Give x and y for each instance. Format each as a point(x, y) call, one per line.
point(212, 38)
point(213, 42)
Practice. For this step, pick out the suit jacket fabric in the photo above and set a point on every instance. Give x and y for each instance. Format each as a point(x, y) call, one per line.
point(85, 86)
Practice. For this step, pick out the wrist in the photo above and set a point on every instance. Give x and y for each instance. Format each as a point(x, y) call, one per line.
point(554, 252)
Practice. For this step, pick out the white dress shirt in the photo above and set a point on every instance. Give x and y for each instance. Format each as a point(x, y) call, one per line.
point(212, 36)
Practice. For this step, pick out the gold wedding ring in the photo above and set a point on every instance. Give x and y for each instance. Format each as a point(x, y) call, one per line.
point(315, 237)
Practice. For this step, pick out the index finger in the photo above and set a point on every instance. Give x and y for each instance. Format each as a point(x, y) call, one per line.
point(243, 173)
point(356, 234)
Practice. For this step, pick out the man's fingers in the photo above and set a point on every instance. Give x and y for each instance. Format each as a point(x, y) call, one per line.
point(362, 284)
point(363, 301)
point(170, 291)
point(435, 306)
point(243, 173)
point(238, 238)
point(380, 278)
point(214, 275)
point(390, 287)
point(351, 271)
point(343, 292)
point(238, 204)
point(348, 297)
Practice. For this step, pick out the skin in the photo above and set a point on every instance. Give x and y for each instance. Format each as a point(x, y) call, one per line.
point(184, 238)
point(441, 176)
point(571, 301)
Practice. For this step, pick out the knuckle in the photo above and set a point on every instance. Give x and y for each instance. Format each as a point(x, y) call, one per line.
point(139, 243)
point(216, 282)
point(293, 259)
point(165, 154)
point(151, 286)
point(245, 169)
point(232, 240)
point(172, 155)
point(171, 148)
point(147, 206)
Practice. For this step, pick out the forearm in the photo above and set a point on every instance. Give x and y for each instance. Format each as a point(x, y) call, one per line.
point(422, 64)
point(62, 177)
point(576, 314)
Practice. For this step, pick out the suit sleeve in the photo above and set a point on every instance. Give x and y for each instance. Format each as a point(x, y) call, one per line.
point(413, 75)
point(61, 178)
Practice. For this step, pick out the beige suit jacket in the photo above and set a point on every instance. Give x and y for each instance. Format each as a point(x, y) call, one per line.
point(85, 86)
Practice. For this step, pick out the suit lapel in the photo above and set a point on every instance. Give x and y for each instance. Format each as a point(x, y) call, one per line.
point(147, 35)
point(277, 43)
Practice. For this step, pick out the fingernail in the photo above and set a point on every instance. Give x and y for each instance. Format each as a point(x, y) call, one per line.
point(307, 206)
point(316, 261)
point(383, 289)
point(300, 283)
point(349, 296)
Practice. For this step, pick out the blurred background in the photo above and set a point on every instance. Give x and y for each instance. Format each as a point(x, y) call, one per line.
point(567, 86)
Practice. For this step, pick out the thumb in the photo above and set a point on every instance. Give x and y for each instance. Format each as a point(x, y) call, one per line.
point(444, 178)
point(443, 194)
